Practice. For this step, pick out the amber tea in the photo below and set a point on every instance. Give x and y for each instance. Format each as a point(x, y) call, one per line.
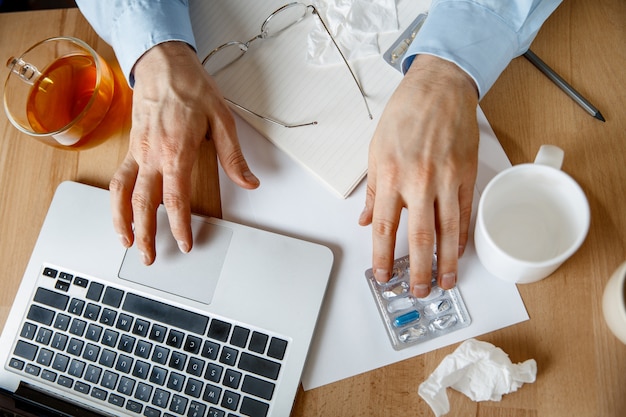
point(65, 90)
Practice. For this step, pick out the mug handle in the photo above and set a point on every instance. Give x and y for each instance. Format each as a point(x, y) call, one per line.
point(550, 155)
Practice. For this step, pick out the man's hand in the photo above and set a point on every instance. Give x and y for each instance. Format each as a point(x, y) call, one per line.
point(176, 105)
point(424, 156)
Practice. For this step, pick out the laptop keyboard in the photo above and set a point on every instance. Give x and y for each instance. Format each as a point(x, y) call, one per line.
point(142, 356)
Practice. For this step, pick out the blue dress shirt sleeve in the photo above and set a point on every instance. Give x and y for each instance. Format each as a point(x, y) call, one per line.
point(132, 27)
point(480, 36)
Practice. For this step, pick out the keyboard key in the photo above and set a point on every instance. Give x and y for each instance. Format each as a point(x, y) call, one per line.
point(126, 386)
point(257, 387)
point(82, 387)
point(143, 392)
point(45, 357)
point(25, 350)
point(192, 344)
point(178, 404)
point(160, 355)
point(158, 375)
point(124, 322)
point(143, 349)
point(65, 381)
point(49, 375)
point(78, 327)
point(151, 412)
point(158, 333)
point(176, 381)
point(43, 336)
point(107, 358)
point(196, 409)
point(174, 316)
point(258, 341)
point(108, 316)
point(175, 338)
point(116, 400)
point(76, 306)
point(239, 337)
point(109, 380)
point(253, 408)
point(277, 348)
point(49, 272)
point(59, 341)
point(99, 394)
point(92, 311)
point(195, 366)
point(127, 343)
point(219, 330)
point(134, 406)
point(91, 352)
point(110, 338)
point(93, 332)
point(232, 379)
point(51, 298)
point(28, 331)
point(177, 361)
point(95, 291)
point(141, 369)
point(194, 387)
point(112, 297)
point(16, 364)
point(76, 368)
point(62, 322)
point(210, 349)
point(212, 394)
point(141, 327)
point(213, 372)
point(229, 356)
point(75, 347)
point(60, 362)
point(230, 400)
point(259, 366)
point(66, 276)
point(214, 412)
point(32, 369)
point(40, 315)
point(161, 398)
point(62, 286)
point(93, 374)
point(124, 363)
point(81, 282)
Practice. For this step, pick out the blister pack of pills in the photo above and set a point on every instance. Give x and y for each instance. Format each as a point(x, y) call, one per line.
point(411, 320)
point(396, 51)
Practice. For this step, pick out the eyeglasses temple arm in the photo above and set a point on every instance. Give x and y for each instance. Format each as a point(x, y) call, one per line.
point(315, 11)
point(276, 122)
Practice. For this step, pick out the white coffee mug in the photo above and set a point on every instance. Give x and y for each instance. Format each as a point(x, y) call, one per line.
point(614, 303)
point(531, 218)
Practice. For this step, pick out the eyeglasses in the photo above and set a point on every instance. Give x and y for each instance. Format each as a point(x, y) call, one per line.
point(281, 19)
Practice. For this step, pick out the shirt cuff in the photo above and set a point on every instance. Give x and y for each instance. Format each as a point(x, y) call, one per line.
point(469, 35)
point(142, 26)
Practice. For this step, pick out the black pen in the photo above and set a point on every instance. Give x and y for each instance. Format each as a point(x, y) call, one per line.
point(563, 85)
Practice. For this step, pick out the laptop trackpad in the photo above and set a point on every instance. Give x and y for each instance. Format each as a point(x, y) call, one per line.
point(192, 275)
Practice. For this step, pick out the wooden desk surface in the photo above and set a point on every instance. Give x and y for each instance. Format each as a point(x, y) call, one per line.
point(581, 365)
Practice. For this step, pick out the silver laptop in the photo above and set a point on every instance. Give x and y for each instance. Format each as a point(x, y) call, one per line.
point(221, 331)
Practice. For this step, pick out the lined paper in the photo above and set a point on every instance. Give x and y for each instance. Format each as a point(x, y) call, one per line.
point(274, 79)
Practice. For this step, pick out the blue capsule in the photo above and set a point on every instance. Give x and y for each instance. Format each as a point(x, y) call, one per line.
point(406, 318)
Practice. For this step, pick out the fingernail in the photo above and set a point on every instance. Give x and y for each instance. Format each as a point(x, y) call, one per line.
point(461, 250)
point(146, 259)
point(381, 275)
point(421, 290)
point(124, 241)
point(250, 177)
point(183, 246)
point(448, 280)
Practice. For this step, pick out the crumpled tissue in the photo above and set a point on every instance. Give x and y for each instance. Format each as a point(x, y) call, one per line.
point(355, 24)
point(479, 370)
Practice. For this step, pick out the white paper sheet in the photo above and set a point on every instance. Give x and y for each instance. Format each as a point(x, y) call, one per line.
point(350, 338)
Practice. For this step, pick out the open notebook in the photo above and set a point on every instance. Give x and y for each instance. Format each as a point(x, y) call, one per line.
point(274, 79)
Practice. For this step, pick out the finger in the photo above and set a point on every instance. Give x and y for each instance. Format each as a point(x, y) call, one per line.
point(370, 194)
point(385, 220)
point(176, 199)
point(421, 236)
point(447, 226)
point(224, 133)
point(145, 200)
point(466, 196)
point(121, 190)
